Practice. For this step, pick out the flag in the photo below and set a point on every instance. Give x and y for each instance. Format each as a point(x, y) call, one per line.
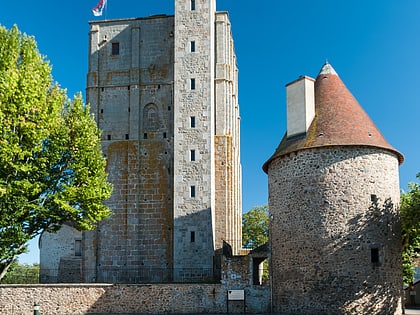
point(97, 11)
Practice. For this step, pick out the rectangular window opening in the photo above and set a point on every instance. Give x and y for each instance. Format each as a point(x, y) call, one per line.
point(126, 136)
point(115, 49)
point(192, 46)
point(374, 255)
point(145, 135)
point(192, 155)
point(77, 248)
point(164, 135)
point(109, 137)
point(192, 84)
point(192, 121)
point(192, 5)
point(192, 191)
point(192, 236)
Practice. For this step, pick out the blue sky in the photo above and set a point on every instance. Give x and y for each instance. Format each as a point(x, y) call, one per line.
point(374, 45)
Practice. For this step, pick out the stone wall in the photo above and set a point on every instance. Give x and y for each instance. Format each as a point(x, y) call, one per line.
point(228, 212)
point(130, 90)
point(60, 250)
point(127, 299)
point(194, 97)
point(332, 250)
point(166, 101)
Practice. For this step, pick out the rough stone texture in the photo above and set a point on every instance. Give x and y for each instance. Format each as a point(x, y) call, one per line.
point(142, 99)
point(323, 231)
point(131, 96)
point(59, 252)
point(127, 299)
point(193, 214)
point(228, 170)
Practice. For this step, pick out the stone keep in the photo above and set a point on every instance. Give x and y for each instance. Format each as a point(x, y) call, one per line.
point(163, 90)
point(333, 200)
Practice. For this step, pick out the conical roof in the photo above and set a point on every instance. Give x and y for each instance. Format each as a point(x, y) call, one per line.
point(339, 121)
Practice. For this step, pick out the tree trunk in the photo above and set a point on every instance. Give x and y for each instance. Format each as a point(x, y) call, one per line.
point(5, 267)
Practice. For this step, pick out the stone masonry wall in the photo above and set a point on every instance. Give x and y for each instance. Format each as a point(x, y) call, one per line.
point(228, 207)
point(54, 247)
point(332, 252)
point(126, 299)
point(130, 89)
point(194, 193)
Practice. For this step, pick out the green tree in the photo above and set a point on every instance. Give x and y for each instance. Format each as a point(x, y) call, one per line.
point(410, 223)
point(255, 227)
point(51, 165)
point(22, 274)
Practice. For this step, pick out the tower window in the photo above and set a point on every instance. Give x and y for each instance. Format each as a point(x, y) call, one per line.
point(374, 255)
point(192, 236)
point(109, 137)
point(164, 135)
point(192, 5)
point(127, 136)
point(77, 248)
point(192, 191)
point(115, 49)
point(192, 121)
point(192, 46)
point(145, 135)
point(192, 155)
point(192, 84)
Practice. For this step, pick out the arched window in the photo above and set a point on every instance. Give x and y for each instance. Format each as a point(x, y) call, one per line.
point(151, 117)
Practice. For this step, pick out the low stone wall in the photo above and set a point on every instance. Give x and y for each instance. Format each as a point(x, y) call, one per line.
point(128, 299)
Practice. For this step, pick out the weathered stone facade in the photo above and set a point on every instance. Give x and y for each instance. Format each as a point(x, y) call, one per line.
point(128, 299)
point(163, 90)
point(62, 255)
point(335, 231)
point(324, 230)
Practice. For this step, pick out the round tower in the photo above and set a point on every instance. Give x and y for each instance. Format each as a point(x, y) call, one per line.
point(333, 201)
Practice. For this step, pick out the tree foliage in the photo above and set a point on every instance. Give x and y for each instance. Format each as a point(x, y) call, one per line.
point(22, 274)
point(51, 165)
point(255, 227)
point(410, 222)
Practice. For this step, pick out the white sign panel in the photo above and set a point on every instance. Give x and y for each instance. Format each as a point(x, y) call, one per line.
point(236, 295)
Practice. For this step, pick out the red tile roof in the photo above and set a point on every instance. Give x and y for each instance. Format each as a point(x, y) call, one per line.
point(339, 121)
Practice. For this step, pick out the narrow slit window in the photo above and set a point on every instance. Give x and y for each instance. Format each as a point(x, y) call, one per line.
point(192, 84)
point(127, 136)
point(192, 5)
point(192, 155)
point(192, 121)
point(164, 135)
point(374, 255)
point(192, 191)
point(109, 137)
point(145, 135)
point(115, 49)
point(192, 46)
point(77, 248)
point(192, 237)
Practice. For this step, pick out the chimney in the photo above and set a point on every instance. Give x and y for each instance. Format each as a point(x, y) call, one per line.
point(300, 98)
